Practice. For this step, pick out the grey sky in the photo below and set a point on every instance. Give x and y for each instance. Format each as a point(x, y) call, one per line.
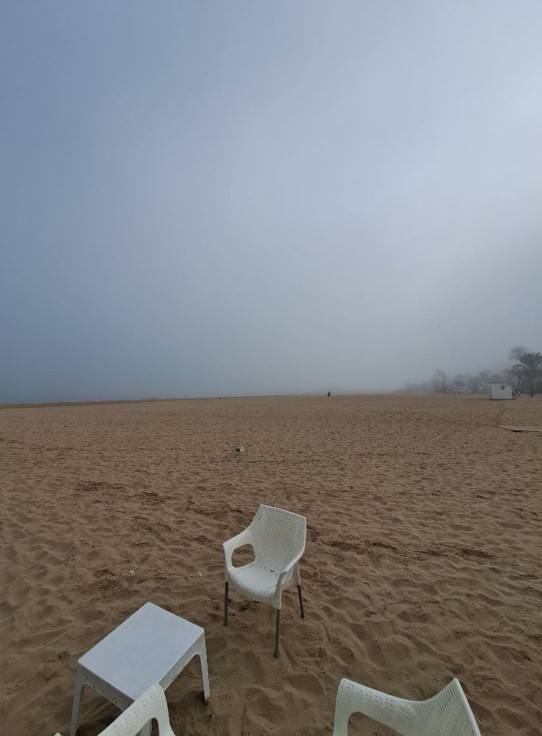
point(209, 198)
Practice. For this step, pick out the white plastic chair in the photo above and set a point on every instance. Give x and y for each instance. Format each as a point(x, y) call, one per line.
point(151, 705)
point(446, 714)
point(278, 540)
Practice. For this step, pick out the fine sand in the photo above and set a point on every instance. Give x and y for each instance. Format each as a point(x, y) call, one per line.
point(422, 560)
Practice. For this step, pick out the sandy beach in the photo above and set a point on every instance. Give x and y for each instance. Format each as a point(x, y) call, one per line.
point(422, 560)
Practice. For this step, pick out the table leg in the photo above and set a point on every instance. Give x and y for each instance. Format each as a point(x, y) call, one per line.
point(146, 730)
point(202, 654)
point(78, 689)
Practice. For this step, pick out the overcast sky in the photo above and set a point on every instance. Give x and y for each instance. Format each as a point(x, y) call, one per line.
point(212, 198)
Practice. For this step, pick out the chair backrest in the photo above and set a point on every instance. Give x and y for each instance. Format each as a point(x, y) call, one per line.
point(279, 535)
point(352, 697)
point(151, 705)
point(446, 714)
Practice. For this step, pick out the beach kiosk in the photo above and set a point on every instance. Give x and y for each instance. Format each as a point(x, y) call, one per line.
point(500, 391)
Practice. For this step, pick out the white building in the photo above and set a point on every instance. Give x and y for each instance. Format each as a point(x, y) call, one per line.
point(500, 391)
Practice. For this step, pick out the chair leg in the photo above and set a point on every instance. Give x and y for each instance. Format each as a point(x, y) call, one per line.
point(277, 633)
point(301, 601)
point(226, 603)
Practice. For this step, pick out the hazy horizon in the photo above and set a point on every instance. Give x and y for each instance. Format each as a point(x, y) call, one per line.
point(258, 199)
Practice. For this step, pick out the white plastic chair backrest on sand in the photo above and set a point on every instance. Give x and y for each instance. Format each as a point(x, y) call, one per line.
point(151, 705)
point(279, 536)
point(446, 714)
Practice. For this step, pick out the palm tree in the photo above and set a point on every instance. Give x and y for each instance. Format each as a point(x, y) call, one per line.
point(528, 370)
point(517, 352)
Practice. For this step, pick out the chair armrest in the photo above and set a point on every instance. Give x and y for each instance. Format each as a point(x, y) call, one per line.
point(245, 537)
point(289, 566)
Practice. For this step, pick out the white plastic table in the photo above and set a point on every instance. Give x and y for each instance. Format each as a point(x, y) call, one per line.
point(152, 645)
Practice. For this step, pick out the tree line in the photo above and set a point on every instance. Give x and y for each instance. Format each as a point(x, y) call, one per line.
point(525, 376)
